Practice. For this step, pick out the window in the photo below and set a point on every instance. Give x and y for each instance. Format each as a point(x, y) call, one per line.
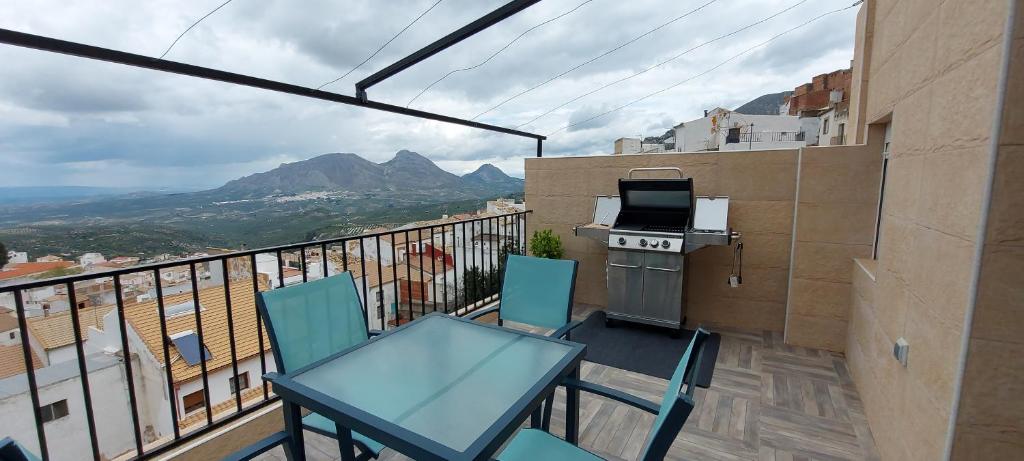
point(239, 383)
point(54, 411)
point(11, 335)
point(194, 401)
point(824, 126)
point(887, 140)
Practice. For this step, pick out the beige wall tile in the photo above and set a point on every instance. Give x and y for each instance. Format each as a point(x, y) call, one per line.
point(991, 404)
point(841, 183)
point(977, 444)
point(1013, 114)
point(997, 312)
point(941, 274)
point(951, 191)
point(746, 176)
point(1006, 216)
point(903, 188)
point(835, 223)
point(761, 216)
point(892, 300)
point(924, 425)
point(830, 262)
point(969, 27)
point(970, 88)
point(819, 299)
point(934, 352)
point(816, 332)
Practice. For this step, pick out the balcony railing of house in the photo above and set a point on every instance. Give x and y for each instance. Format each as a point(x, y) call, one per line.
point(453, 273)
point(837, 140)
point(767, 136)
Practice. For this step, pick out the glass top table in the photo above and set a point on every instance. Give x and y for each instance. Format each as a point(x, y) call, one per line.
point(441, 387)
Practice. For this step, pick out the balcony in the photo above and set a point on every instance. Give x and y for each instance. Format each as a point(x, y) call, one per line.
point(766, 136)
point(768, 398)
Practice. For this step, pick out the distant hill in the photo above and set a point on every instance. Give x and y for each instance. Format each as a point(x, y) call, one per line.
point(767, 104)
point(490, 176)
point(407, 172)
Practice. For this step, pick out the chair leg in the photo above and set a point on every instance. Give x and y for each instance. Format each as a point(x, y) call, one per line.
point(572, 411)
point(345, 445)
point(546, 420)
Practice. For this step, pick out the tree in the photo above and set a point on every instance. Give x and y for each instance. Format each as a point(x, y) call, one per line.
point(3, 255)
point(478, 284)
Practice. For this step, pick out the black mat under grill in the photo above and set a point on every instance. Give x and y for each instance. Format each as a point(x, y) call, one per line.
point(642, 348)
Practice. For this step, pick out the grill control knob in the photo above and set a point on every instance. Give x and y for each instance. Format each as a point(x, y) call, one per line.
point(654, 244)
point(622, 240)
point(643, 242)
point(665, 243)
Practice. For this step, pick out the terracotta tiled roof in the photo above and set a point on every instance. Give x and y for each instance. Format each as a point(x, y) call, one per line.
point(144, 318)
point(388, 276)
point(25, 269)
point(53, 331)
point(8, 322)
point(12, 362)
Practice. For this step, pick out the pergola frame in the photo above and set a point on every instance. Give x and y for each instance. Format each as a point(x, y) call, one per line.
point(54, 45)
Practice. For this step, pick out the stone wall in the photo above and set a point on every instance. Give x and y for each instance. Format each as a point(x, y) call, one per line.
point(761, 186)
point(837, 202)
point(932, 69)
point(990, 421)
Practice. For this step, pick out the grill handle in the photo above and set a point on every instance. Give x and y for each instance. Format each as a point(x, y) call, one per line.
point(663, 168)
point(624, 266)
point(662, 269)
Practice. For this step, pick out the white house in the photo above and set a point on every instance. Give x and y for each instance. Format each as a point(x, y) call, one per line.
point(63, 409)
point(89, 259)
point(725, 130)
point(17, 257)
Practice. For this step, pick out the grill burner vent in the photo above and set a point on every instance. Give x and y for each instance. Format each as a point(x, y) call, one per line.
point(661, 228)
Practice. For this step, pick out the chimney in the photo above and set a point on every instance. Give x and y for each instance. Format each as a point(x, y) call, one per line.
point(705, 113)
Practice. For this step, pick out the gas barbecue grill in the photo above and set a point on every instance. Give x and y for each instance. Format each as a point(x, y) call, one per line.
point(657, 222)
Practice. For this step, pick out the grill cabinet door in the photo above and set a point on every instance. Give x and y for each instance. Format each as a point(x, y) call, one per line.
point(663, 286)
point(625, 281)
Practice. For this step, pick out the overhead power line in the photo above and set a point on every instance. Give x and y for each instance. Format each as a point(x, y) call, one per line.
point(175, 42)
point(708, 71)
point(507, 45)
point(687, 51)
point(606, 53)
point(368, 58)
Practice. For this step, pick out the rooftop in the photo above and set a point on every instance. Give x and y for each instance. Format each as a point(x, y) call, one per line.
point(14, 271)
point(55, 330)
point(12, 362)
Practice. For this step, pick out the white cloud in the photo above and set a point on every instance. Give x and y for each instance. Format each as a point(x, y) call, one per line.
point(66, 120)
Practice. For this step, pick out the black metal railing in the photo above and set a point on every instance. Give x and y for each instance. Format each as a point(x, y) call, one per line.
point(460, 241)
point(768, 136)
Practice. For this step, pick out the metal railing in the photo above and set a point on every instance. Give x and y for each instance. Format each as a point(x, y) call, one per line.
point(335, 255)
point(768, 136)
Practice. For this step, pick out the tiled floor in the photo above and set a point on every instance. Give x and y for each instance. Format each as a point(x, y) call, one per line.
point(767, 401)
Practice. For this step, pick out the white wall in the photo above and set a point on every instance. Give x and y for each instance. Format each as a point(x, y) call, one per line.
point(220, 388)
point(68, 437)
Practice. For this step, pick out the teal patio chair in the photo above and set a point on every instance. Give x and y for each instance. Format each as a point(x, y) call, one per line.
point(13, 451)
point(538, 292)
point(675, 408)
point(308, 322)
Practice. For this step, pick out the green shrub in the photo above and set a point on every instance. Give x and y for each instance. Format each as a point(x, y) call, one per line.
point(545, 244)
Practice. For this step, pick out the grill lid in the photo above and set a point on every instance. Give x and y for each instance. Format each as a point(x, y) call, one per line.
point(656, 205)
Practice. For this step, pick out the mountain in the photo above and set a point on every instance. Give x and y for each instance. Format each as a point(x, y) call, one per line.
point(767, 104)
point(406, 173)
point(492, 177)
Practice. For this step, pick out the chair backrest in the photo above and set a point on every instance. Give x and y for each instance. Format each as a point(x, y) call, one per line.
point(537, 291)
point(312, 320)
point(677, 403)
point(13, 451)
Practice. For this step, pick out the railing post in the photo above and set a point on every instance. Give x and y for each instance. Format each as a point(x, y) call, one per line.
point(30, 372)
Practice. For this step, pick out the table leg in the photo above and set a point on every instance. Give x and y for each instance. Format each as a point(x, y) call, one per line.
point(296, 447)
point(572, 411)
point(348, 451)
point(535, 417)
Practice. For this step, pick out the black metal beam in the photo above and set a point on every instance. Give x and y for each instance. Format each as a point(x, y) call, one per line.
point(443, 43)
point(54, 45)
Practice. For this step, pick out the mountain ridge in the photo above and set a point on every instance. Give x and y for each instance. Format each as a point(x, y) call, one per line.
point(339, 172)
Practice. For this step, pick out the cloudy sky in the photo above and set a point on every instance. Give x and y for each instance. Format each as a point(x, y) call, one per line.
point(70, 121)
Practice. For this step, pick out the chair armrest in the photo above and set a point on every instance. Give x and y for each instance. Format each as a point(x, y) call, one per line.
point(476, 314)
point(271, 376)
point(373, 333)
point(258, 448)
point(565, 329)
point(614, 394)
